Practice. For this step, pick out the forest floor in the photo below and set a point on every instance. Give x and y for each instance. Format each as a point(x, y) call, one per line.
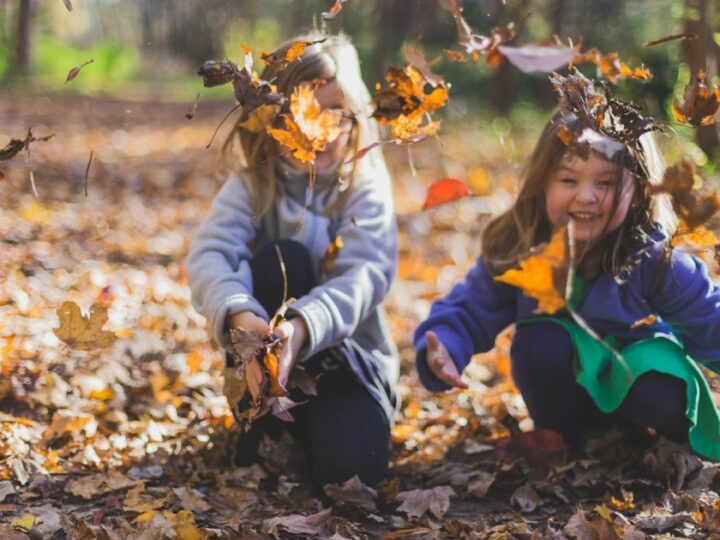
point(133, 441)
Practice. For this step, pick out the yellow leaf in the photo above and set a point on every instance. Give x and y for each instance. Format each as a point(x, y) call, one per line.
point(331, 254)
point(25, 523)
point(260, 118)
point(535, 276)
point(186, 528)
point(479, 180)
point(82, 333)
point(146, 516)
point(36, 213)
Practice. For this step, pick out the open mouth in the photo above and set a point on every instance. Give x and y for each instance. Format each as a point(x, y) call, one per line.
point(584, 217)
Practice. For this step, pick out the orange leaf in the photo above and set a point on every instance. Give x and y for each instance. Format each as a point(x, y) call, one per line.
point(331, 254)
point(536, 274)
point(287, 54)
point(444, 191)
point(645, 321)
point(273, 368)
point(700, 102)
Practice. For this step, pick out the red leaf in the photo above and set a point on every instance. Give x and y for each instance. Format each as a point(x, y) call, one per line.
point(444, 191)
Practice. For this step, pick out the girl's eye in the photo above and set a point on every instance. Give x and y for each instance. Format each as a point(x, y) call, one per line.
point(568, 181)
point(607, 184)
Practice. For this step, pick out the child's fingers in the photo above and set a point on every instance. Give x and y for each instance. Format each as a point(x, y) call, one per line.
point(284, 330)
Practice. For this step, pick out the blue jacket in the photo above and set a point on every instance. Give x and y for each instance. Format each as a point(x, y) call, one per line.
point(686, 302)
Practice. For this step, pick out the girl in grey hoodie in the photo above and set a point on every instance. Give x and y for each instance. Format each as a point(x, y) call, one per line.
point(336, 328)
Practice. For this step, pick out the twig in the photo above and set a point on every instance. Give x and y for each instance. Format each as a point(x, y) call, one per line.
point(87, 170)
point(689, 35)
point(32, 183)
point(222, 122)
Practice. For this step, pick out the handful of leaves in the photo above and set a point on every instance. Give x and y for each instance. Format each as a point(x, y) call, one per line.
point(253, 377)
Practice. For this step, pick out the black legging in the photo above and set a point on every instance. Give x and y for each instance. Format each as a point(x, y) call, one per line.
point(345, 429)
point(541, 360)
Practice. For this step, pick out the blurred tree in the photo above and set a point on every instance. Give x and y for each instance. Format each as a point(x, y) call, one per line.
point(702, 54)
point(22, 40)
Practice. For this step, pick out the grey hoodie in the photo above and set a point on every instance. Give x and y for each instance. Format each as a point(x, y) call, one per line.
point(345, 303)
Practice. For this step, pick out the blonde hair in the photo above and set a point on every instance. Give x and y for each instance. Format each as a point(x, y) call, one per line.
point(510, 236)
point(333, 58)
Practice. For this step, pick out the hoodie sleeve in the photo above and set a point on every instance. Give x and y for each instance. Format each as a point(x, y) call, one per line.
point(218, 263)
point(687, 299)
point(363, 270)
point(466, 321)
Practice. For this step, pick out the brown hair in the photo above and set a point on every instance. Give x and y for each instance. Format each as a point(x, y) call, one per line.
point(333, 58)
point(510, 236)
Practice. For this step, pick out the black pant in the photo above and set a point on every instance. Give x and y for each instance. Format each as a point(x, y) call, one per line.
point(542, 367)
point(346, 431)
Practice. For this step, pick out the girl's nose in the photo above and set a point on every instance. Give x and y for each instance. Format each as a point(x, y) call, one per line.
point(586, 194)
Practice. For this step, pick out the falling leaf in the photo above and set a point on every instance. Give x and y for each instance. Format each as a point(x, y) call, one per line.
point(536, 274)
point(331, 255)
point(444, 191)
point(700, 102)
point(406, 95)
point(546, 57)
point(475, 44)
point(76, 70)
point(81, 333)
point(455, 56)
point(645, 321)
point(334, 10)
point(280, 58)
point(678, 182)
point(250, 91)
point(260, 119)
point(68, 5)
point(418, 61)
point(309, 128)
point(611, 66)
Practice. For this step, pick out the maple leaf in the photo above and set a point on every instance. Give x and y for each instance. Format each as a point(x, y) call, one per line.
point(444, 191)
point(536, 275)
point(679, 181)
point(288, 53)
point(700, 102)
point(260, 119)
point(405, 95)
point(611, 66)
point(81, 333)
point(309, 128)
point(331, 254)
point(476, 44)
point(74, 71)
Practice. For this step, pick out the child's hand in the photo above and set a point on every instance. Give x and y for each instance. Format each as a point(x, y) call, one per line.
point(248, 321)
point(293, 334)
point(439, 361)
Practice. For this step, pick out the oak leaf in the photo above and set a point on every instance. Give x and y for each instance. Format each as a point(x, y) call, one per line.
point(83, 333)
point(536, 275)
point(700, 102)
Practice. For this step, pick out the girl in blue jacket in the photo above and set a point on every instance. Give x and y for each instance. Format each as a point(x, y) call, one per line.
point(335, 328)
point(627, 271)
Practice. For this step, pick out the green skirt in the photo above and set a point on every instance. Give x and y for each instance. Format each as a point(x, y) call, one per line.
point(607, 381)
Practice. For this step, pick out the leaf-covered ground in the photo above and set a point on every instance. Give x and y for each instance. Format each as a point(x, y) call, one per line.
point(133, 441)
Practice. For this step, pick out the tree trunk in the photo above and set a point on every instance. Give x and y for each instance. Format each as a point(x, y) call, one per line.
point(23, 39)
point(695, 53)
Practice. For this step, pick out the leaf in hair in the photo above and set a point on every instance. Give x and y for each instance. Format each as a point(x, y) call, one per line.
point(700, 102)
point(287, 54)
point(536, 276)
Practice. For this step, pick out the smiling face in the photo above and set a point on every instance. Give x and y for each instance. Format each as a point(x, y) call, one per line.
point(585, 192)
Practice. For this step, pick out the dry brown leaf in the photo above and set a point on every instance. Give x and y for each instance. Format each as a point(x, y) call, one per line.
point(81, 333)
point(418, 501)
